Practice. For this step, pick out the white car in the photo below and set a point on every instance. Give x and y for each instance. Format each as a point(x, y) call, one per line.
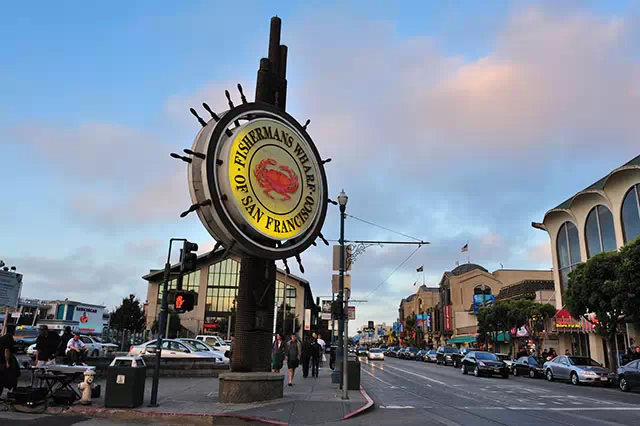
point(108, 348)
point(203, 347)
point(376, 353)
point(215, 342)
point(171, 348)
point(31, 350)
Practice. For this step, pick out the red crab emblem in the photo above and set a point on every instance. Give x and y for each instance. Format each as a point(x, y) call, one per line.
point(275, 180)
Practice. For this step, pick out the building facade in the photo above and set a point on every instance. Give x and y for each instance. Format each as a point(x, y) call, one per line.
point(602, 217)
point(216, 282)
point(466, 289)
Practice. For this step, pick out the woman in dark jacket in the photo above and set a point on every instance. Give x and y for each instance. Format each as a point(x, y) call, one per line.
point(277, 354)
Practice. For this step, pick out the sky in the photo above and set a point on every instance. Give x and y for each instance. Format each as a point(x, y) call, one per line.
point(446, 121)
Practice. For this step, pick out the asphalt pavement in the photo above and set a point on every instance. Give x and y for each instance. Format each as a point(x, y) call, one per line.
point(412, 392)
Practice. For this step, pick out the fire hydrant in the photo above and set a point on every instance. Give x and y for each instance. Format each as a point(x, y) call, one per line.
point(87, 387)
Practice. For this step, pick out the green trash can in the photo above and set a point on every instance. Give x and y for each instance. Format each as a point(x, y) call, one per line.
point(125, 382)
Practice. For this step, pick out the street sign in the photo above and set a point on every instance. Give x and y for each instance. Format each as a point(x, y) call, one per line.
point(16, 315)
point(347, 258)
point(352, 313)
point(307, 319)
point(335, 283)
point(10, 286)
point(326, 310)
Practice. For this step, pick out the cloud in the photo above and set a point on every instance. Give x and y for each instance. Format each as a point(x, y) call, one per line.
point(540, 254)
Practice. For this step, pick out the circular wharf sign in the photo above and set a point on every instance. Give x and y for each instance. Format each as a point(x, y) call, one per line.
point(265, 181)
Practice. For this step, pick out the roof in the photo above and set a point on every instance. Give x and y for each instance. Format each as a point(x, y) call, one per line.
point(600, 184)
point(432, 289)
point(71, 302)
point(157, 274)
point(460, 270)
point(523, 288)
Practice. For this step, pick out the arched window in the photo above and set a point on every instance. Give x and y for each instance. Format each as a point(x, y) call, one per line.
point(568, 251)
point(599, 232)
point(482, 289)
point(631, 214)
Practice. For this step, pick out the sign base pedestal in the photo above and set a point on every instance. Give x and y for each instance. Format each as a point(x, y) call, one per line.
point(238, 388)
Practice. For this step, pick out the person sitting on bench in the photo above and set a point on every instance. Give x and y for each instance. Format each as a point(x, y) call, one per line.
point(76, 350)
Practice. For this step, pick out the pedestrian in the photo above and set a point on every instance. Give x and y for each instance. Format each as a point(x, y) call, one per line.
point(277, 354)
point(294, 350)
point(323, 344)
point(316, 353)
point(637, 353)
point(46, 346)
point(64, 339)
point(566, 352)
point(9, 367)
point(76, 349)
point(305, 357)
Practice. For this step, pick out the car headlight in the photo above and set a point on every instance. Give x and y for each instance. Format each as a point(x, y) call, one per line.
point(588, 373)
point(482, 364)
point(448, 357)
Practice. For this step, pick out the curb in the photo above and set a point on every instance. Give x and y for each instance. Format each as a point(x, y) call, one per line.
point(365, 407)
point(154, 416)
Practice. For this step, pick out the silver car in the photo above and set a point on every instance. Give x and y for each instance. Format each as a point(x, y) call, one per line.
point(577, 369)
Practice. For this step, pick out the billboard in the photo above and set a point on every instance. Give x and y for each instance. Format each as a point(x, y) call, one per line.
point(326, 310)
point(352, 313)
point(482, 300)
point(89, 318)
point(447, 317)
point(10, 286)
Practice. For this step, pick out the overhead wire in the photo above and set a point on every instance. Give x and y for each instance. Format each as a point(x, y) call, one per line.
point(381, 227)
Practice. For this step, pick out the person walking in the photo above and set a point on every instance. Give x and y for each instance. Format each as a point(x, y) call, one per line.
point(316, 353)
point(294, 350)
point(9, 367)
point(305, 357)
point(322, 343)
point(277, 354)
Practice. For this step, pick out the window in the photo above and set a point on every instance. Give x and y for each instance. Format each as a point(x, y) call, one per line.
point(568, 251)
point(222, 285)
point(482, 289)
point(191, 282)
point(599, 233)
point(290, 295)
point(171, 285)
point(631, 214)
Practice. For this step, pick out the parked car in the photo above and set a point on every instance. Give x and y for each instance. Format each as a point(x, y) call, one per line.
point(171, 348)
point(389, 350)
point(484, 363)
point(94, 346)
point(629, 376)
point(200, 346)
point(376, 353)
point(457, 357)
point(401, 353)
point(420, 355)
point(430, 356)
point(108, 348)
point(411, 352)
point(24, 337)
point(528, 366)
point(445, 355)
point(507, 359)
point(577, 369)
point(215, 342)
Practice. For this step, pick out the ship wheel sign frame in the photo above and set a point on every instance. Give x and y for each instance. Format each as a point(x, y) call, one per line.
point(257, 181)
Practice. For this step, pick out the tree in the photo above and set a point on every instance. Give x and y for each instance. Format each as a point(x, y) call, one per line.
point(129, 315)
point(594, 288)
point(539, 316)
point(629, 277)
point(288, 324)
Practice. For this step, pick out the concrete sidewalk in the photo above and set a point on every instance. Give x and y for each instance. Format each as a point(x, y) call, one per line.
point(195, 400)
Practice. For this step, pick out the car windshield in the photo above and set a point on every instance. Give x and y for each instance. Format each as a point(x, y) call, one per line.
point(197, 345)
point(533, 361)
point(413, 349)
point(502, 357)
point(450, 351)
point(25, 333)
point(431, 352)
point(376, 351)
point(486, 356)
point(583, 361)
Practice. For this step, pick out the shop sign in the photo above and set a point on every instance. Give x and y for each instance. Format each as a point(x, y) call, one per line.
point(326, 309)
point(258, 182)
point(568, 325)
point(447, 317)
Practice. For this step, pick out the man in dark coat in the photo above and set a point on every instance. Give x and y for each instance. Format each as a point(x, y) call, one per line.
point(9, 368)
point(316, 354)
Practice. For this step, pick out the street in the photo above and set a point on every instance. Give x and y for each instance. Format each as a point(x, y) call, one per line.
point(414, 392)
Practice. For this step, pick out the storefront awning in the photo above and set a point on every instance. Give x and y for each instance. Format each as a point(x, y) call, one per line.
point(462, 339)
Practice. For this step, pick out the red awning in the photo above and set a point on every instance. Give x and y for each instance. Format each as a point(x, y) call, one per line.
point(564, 315)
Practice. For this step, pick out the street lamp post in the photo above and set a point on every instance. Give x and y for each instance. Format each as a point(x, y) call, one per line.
point(342, 201)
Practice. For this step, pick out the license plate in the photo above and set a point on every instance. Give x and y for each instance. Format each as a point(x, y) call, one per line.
point(604, 379)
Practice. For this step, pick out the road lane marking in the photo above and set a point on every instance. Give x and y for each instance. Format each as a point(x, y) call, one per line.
point(378, 378)
point(419, 375)
point(398, 407)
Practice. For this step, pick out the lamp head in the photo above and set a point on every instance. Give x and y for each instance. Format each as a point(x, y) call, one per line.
point(343, 198)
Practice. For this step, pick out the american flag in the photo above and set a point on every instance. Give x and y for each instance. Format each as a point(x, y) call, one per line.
point(465, 248)
point(420, 269)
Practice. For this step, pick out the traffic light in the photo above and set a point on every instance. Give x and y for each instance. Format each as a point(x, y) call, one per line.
point(185, 300)
point(188, 257)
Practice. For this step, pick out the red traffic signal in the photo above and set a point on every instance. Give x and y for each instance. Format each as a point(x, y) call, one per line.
point(185, 301)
